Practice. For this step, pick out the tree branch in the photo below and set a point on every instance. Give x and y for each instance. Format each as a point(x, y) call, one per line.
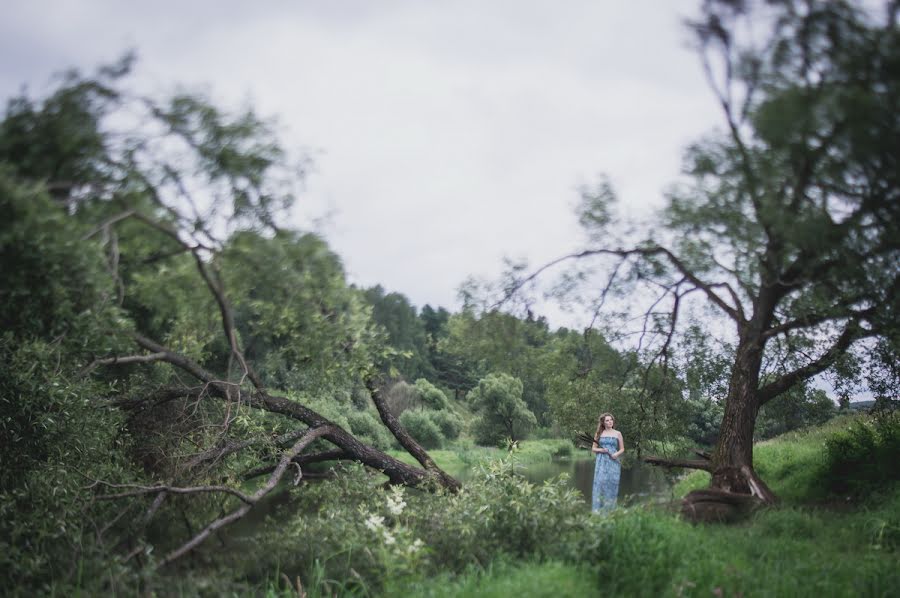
point(405, 439)
point(309, 436)
point(703, 464)
point(736, 312)
point(851, 333)
point(141, 490)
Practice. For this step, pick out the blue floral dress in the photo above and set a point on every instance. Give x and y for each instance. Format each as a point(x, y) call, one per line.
point(606, 477)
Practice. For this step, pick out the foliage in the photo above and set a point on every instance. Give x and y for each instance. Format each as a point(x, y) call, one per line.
point(499, 342)
point(449, 423)
point(799, 407)
point(366, 426)
point(430, 395)
point(56, 433)
point(502, 412)
point(405, 330)
point(419, 423)
point(301, 323)
point(863, 459)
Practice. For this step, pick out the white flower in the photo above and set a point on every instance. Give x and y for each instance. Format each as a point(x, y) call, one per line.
point(395, 503)
point(375, 522)
point(389, 538)
point(416, 546)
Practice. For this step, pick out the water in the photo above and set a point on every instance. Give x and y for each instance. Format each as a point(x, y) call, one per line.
point(639, 483)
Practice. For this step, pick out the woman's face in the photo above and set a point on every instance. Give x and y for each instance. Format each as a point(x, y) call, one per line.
point(608, 422)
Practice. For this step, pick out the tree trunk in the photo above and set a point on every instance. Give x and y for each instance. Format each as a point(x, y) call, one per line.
point(735, 486)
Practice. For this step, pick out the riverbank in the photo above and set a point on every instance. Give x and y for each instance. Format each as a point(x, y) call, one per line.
point(817, 543)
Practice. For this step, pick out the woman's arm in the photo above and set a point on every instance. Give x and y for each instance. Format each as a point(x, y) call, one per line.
point(621, 450)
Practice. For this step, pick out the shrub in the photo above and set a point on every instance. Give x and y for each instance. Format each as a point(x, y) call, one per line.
point(368, 428)
point(864, 457)
point(400, 397)
point(449, 423)
point(420, 425)
point(430, 395)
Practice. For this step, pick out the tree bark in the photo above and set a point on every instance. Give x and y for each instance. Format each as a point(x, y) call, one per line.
point(731, 463)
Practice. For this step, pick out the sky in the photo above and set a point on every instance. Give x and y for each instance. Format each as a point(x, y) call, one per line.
point(445, 135)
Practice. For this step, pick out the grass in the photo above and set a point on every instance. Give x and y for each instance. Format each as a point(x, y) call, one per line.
point(463, 455)
point(503, 579)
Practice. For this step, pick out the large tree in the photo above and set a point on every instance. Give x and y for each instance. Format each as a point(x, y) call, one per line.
point(787, 223)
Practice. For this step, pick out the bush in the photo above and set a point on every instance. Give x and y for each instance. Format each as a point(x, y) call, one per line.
point(864, 458)
point(368, 428)
point(420, 425)
point(430, 395)
point(401, 397)
point(449, 423)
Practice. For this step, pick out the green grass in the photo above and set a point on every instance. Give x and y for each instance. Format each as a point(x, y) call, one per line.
point(463, 455)
point(502, 580)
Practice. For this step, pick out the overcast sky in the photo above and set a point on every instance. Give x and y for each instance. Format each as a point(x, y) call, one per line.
point(445, 134)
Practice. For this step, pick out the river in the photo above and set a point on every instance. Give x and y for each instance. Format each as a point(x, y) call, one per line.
point(640, 483)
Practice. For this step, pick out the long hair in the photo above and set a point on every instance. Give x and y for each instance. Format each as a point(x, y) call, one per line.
point(600, 425)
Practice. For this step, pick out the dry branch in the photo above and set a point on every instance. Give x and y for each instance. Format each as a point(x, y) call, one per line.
point(309, 436)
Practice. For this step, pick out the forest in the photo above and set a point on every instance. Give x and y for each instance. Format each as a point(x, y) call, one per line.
point(195, 400)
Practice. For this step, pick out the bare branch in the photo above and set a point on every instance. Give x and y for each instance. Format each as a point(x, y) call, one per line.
point(107, 223)
point(229, 448)
point(142, 490)
point(320, 457)
point(309, 436)
point(121, 360)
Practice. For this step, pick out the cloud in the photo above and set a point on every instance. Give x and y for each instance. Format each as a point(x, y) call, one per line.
point(446, 135)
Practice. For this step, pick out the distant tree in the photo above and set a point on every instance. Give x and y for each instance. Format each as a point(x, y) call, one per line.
point(500, 342)
point(435, 323)
point(501, 411)
point(430, 395)
point(406, 333)
point(797, 408)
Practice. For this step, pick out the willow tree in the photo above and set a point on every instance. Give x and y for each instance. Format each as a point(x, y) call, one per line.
point(787, 222)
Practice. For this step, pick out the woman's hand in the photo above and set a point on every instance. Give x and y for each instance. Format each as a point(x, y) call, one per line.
point(613, 456)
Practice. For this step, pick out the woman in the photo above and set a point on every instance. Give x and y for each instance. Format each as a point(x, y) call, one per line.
point(608, 446)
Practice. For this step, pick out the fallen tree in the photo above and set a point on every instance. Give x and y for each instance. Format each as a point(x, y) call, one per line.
point(180, 201)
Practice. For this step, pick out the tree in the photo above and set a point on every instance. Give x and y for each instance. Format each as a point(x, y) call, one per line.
point(406, 332)
point(195, 302)
point(502, 412)
point(788, 223)
point(499, 342)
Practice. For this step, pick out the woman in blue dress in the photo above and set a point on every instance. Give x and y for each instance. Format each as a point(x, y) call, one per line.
point(608, 446)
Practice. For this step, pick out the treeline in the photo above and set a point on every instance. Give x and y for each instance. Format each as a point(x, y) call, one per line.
point(555, 382)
